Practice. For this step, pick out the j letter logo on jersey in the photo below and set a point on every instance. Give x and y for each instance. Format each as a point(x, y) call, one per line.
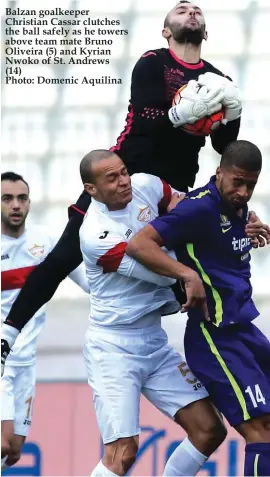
point(145, 214)
point(37, 250)
point(240, 244)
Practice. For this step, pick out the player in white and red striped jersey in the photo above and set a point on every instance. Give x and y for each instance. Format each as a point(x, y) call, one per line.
point(22, 249)
point(126, 351)
point(103, 246)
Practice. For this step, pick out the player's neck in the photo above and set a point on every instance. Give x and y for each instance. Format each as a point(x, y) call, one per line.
point(9, 232)
point(116, 208)
point(186, 52)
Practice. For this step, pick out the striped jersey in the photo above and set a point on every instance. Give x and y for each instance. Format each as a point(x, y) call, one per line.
point(19, 256)
point(122, 290)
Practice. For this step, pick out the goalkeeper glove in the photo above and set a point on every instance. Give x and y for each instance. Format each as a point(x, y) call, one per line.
point(231, 100)
point(196, 103)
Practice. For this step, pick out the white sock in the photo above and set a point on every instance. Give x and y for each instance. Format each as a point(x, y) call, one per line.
point(101, 471)
point(185, 460)
point(3, 463)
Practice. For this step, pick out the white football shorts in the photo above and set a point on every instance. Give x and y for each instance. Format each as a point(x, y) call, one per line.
point(17, 393)
point(123, 364)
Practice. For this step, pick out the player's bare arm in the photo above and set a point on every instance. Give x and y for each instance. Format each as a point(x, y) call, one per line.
point(146, 248)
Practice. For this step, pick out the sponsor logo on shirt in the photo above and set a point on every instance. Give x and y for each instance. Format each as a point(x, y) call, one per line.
point(224, 221)
point(5, 257)
point(240, 244)
point(145, 214)
point(36, 251)
point(128, 233)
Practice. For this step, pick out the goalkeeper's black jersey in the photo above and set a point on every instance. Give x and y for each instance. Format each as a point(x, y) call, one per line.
point(149, 143)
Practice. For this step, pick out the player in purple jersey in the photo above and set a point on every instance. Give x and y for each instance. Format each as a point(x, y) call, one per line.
point(228, 353)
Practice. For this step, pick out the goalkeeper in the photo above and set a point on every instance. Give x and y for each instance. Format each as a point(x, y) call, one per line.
point(152, 141)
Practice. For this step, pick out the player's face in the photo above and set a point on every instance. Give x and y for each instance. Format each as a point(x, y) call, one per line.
point(112, 183)
point(187, 24)
point(236, 185)
point(15, 204)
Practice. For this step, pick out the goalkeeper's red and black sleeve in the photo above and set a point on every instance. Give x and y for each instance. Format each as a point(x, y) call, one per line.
point(148, 94)
point(222, 136)
point(44, 280)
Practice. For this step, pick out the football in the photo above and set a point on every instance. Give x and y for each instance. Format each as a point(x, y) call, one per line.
point(204, 126)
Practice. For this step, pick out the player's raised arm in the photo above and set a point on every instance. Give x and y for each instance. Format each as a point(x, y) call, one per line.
point(148, 94)
point(225, 134)
point(232, 104)
point(44, 280)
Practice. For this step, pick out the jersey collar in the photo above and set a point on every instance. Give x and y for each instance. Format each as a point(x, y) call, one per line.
point(112, 213)
point(213, 189)
point(189, 66)
point(15, 239)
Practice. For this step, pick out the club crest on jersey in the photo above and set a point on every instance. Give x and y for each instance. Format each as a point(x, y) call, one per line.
point(224, 221)
point(36, 251)
point(145, 214)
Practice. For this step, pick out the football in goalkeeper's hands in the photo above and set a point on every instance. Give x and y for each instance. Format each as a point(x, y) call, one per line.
point(204, 126)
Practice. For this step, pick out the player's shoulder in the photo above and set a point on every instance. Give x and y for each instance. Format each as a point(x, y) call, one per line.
point(145, 184)
point(212, 69)
point(92, 225)
point(96, 227)
point(201, 198)
point(41, 235)
point(37, 232)
point(142, 179)
point(152, 57)
point(158, 52)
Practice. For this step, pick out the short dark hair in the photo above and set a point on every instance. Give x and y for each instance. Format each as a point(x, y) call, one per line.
point(166, 21)
point(86, 165)
point(242, 154)
point(13, 177)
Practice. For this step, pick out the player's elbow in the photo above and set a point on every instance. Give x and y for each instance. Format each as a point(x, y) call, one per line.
point(133, 247)
point(142, 245)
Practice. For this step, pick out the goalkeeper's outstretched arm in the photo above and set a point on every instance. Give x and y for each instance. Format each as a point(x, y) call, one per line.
point(44, 280)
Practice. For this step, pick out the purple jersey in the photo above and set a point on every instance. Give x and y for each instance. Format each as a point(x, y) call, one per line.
point(210, 238)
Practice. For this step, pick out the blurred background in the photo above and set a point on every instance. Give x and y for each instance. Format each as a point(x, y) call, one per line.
point(47, 129)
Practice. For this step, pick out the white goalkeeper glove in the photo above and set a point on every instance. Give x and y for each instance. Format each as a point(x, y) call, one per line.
point(196, 103)
point(231, 100)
